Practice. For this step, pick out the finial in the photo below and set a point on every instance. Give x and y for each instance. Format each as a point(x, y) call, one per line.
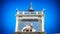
point(16, 9)
point(31, 6)
point(43, 9)
point(31, 3)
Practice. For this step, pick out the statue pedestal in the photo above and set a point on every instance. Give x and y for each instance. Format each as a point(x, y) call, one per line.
point(29, 33)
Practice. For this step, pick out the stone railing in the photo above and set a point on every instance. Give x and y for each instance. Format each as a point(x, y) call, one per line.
point(29, 13)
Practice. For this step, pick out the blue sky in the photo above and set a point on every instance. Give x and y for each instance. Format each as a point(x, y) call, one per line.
point(8, 11)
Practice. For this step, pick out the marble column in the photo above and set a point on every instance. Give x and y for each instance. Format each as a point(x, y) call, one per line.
point(17, 29)
point(42, 23)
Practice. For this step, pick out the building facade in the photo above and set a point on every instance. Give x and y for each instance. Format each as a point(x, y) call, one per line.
point(29, 15)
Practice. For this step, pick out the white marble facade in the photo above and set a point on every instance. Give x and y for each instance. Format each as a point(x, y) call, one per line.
point(38, 15)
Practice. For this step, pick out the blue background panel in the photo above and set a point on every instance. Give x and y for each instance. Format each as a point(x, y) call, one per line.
point(34, 22)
